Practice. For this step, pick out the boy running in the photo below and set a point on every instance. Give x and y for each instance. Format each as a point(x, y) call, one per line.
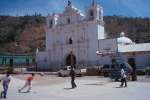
point(27, 83)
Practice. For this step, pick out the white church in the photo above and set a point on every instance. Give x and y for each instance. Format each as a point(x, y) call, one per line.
point(80, 39)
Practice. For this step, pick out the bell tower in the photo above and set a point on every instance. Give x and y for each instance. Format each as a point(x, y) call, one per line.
point(94, 12)
point(52, 20)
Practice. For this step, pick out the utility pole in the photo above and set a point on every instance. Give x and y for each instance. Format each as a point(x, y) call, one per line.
point(36, 60)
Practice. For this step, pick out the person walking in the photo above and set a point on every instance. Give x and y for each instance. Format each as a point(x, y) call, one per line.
point(5, 83)
point(72, 75)
point(123, 78)
point(27, 83)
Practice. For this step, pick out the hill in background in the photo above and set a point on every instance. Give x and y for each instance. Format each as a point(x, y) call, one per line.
point(138, 29)
point(23, 34)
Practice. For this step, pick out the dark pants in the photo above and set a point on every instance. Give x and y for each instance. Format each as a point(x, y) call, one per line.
point(123, 80)
point(73, 83)
point(4, 92)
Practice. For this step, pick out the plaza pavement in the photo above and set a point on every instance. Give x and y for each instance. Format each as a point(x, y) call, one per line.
point(89, 88)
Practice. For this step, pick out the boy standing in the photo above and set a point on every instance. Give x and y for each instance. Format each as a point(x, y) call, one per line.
point(5, 83)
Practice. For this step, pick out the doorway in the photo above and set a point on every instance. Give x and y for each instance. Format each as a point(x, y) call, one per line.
point(131, 61)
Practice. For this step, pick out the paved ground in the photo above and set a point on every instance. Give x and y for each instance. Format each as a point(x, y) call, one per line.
point(89, 88)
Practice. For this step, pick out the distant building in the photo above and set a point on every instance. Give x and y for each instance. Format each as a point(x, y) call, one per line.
point(123, 48)
point(75, 38)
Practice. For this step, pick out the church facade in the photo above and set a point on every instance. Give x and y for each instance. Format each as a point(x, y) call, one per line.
point(74, 38)
point(73, 34)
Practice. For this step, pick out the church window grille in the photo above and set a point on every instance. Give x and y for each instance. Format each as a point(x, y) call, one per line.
point(68, 21)
point(70, 41)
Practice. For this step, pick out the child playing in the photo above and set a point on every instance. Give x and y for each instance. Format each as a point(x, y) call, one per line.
point(5, 83)
point(27, 83)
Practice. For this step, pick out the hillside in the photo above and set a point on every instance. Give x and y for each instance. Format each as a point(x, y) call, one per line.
point(138, 29)
point(23, 34)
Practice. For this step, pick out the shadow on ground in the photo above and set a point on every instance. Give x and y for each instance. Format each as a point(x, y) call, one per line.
point(68, 88)
point(95, 84)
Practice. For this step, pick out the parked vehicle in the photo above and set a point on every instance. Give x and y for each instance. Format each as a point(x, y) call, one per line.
point(147, 70)
point(140, 71)
point(106, 70)
point(113, 70)
point(65, 72)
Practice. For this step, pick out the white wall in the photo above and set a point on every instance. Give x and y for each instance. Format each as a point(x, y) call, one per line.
point(101, 32)
point(108, 45)
point(42, 60)
point(84, 33)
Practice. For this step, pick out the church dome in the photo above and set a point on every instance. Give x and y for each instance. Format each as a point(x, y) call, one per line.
point(123, 39)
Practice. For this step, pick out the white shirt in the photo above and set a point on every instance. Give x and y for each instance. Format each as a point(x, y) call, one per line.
point(123, 74)
point(6, 80)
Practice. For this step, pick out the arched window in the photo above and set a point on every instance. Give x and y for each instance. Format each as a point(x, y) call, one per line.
point(50, 23)
point(68, 20)
point(91, 13)
point(70, 41)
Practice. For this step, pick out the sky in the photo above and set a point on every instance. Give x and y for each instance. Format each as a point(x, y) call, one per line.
point(130, 8)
